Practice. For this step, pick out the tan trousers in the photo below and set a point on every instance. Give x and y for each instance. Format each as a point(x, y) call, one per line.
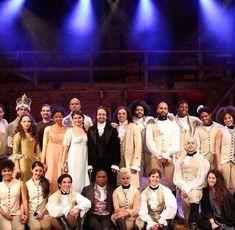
point(228, 170)
point(34, 224)
point(11, 225)
point(167, 170)
point(130, 221)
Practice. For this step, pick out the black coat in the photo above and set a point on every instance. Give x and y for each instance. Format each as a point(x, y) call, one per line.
point(88, 192)
point(228, 207)
point(112, 147)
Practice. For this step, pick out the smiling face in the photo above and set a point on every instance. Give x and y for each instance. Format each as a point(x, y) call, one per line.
point(139, 111)
point(37, 172)
point(58, 118)
point(46, 112)
point(228, 120)
point(7, 174)
point(78, 120)
point(122, 115)
point(101, 115)
point(182, 110)
point(154, 179)
point(211, 179)
point(205, 118)
point(65, 184)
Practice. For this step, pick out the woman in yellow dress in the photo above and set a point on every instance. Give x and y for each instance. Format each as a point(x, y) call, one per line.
point(26, 148)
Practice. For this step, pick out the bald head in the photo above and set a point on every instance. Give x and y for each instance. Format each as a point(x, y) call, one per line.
point(190, 145)
point(162, 109)
point(74, 104)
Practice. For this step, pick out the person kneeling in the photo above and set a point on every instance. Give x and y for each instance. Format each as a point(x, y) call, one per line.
point(158, 205)
point(66, 206)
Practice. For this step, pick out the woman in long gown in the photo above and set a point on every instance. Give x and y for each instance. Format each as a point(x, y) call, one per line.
point(52, 149)
point(26, 147)
point(75, 156)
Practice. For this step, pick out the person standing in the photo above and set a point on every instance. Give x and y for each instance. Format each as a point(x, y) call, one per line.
point(22, 107)
point(46, 121)
point(225, 145)
point(140, 111)
point(100, 194)
point(205, 135)
point(3, 128)
point(75, 154)
point(75, 104)
point(52, 150)
point(130, 143)
point(163, 141)
point(189, 176)
point(26, 147)
point(187, 125)
point(103, 147)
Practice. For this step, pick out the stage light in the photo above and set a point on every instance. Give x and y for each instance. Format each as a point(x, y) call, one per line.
point(146, 15)
point(216, 20)
point(9, 9)
point(81, 21)
point(79, 27)
point(149, 30)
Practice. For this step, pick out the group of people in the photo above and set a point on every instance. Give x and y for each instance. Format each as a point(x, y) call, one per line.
point(186, 150)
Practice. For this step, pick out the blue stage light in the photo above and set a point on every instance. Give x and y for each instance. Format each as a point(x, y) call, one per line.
point(149, 30)
point(217, 22)
point(9, 9)
point(82, 21)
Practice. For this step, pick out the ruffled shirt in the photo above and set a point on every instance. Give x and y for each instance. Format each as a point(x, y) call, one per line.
point(122, 130)
point(100, 127)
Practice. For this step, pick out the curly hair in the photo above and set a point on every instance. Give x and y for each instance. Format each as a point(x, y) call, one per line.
point(220, 186)
point(141, 103)
point(129, 115)
point(223, 111)
point(6, 164)
point(203, 109)
point(32, 129)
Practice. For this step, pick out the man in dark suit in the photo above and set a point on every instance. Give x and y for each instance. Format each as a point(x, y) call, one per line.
point(103, 147)
point(100, 195)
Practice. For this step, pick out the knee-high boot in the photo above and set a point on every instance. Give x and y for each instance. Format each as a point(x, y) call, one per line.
point(121, 224)
point(193, 213)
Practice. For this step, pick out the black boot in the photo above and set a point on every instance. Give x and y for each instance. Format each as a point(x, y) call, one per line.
point(64, 223)
point(121, 224)
point(193, 213)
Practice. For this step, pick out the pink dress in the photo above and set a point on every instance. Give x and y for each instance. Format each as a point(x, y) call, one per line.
point(53, 147)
